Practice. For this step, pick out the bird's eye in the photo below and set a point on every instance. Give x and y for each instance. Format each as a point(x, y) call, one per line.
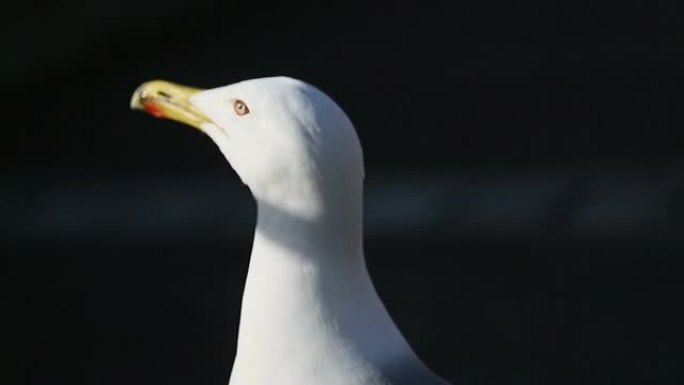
point(240, 108)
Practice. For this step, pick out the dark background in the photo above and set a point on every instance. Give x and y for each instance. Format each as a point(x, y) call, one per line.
point(525, 200)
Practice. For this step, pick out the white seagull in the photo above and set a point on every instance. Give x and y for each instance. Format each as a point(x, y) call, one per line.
point(310, 314)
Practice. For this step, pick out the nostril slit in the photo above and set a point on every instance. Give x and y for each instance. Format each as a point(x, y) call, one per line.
point(164, 94)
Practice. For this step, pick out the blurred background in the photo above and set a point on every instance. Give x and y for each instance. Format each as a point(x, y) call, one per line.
point(525, 183)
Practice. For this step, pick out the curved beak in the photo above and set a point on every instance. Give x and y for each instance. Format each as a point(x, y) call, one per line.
point(167, 100)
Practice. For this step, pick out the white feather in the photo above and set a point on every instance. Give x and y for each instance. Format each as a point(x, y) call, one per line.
point(310, 314)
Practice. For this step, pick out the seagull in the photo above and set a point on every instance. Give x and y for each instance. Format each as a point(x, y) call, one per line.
point(310, 313)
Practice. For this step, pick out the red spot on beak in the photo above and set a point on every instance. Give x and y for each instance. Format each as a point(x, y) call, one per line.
point(153, 110)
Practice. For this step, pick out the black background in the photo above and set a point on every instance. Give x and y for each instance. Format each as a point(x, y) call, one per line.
point(466, 111)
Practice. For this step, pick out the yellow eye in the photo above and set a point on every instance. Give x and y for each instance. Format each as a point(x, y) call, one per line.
point(240, 108)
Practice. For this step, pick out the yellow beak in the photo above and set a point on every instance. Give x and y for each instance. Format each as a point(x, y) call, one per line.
point(167, 100)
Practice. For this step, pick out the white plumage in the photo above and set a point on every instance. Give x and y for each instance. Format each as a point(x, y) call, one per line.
point(310, 314)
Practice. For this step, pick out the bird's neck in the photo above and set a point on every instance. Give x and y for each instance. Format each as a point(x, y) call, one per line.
point(311, 216)
point(308, 296)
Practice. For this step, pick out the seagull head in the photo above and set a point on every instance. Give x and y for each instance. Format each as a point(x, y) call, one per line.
point(287, 140)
